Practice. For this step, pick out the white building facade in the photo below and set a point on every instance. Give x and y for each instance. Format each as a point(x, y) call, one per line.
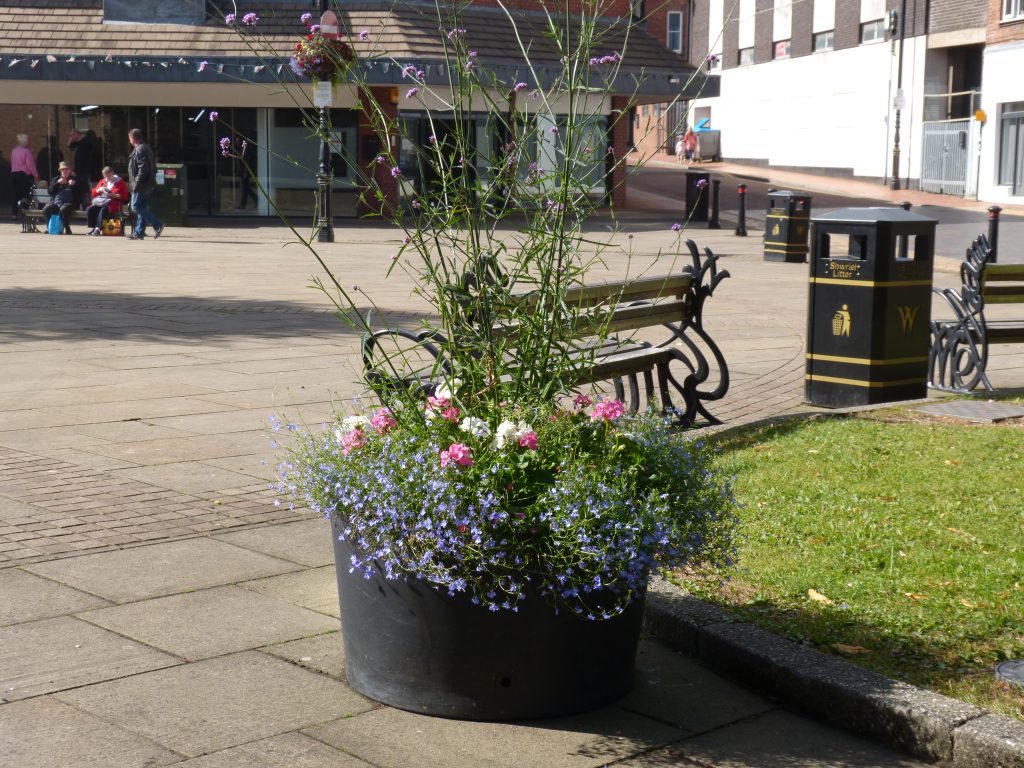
point(818, 85)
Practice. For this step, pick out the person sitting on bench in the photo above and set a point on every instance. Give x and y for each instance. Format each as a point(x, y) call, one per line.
point(65, 196)
point(107, 197)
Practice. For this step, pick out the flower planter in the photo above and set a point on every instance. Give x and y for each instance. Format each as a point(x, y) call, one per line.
point(415, 648)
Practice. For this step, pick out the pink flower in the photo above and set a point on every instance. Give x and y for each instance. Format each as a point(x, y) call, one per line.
point(608, 410)
point(450, 414)
point(582, 401)
point(383, 421)
point(438, 402)
point(528, 440)
point(351, 441)
point(457, 453)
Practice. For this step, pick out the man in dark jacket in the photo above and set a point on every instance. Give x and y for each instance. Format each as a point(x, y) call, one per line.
point(66, 191)
point(83, 148)
point(142, 181)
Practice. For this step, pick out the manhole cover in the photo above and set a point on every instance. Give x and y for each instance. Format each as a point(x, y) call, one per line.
point(974, 410)
point(1011, 671)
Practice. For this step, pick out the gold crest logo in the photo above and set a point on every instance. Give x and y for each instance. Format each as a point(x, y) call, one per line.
point(907, 317)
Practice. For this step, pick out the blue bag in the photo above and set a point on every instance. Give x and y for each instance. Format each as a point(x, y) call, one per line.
point(55, 226)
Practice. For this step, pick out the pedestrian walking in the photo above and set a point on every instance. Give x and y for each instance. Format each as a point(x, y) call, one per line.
point(690, 145)
point(142, 180)
point(23, 173)
point(680, 148)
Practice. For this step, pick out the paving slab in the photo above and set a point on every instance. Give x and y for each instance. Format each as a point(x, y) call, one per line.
point(45, 733)
point(186, 476)
point(775, 740)
point(316, 589)
point(677, 690)
point(55, 654)
point(211, 622)
point(290, 750)
point(219, 703)
point(161, 569)
point(307, 542)
point(323, 653)
point(183, 447)
point(27, 597)
point(390, 738)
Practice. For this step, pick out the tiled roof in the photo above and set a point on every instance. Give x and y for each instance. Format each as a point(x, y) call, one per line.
point(76, 27)
point(50, 39)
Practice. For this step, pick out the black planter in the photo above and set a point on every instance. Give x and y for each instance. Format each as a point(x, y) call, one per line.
point(411, 647)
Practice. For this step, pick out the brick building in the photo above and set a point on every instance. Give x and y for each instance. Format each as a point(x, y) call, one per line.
point(815, 85)
point(163, 65)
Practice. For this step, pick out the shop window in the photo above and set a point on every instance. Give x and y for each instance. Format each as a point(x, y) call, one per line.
point(824, 41)
point(674, 37)
point(872, 31)
point(746, 57)
point(782, 49)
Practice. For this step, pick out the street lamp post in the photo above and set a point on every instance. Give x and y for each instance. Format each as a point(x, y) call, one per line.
point(895, 182)
point(325, 177)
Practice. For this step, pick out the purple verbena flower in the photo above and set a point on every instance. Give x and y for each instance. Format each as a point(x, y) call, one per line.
point(203, 65)
point(700, 183)
point(396, 172)
point(229, 19)
point(225, 146)
point(408, 70)
point(411, 92)
point(364, 35)
point(518, 87)
point(250, 19)
point(677, 227)
point(213, 116)
point(306, 18)
point(457, 32)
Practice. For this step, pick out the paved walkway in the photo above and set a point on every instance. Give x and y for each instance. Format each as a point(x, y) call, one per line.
point(156, 608)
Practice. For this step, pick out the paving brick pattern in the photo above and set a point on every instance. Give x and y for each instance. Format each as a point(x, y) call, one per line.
point(66, 508)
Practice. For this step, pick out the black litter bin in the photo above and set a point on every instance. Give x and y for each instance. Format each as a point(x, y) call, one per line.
point(786, 226)
point(697, 192)
point(170, 199)
point(870, 306)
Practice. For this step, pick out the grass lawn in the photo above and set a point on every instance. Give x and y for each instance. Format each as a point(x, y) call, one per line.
point(891, 538)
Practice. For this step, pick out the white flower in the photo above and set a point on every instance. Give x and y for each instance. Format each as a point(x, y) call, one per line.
point(508, 433)
point(359, 421)
point(448, 389)
point(476, 427)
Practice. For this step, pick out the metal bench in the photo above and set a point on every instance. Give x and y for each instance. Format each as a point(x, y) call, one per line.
point(960, 346)
point(667, 375)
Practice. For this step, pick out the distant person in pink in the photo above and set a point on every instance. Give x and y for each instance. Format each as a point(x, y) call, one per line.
point(23, 173)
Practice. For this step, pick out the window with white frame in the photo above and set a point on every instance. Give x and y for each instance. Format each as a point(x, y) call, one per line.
point(824, 41)
point(1011, 147)
point(746, 57)
point(1013, 9)
point(872, 31)
point(674, 37)
point(782, 49)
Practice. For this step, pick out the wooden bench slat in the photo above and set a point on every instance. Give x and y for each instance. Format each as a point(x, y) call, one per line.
point(622, 318)
point(620, 291)
point(1004, 272)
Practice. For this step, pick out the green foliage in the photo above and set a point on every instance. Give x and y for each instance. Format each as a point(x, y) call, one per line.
point(908, 534)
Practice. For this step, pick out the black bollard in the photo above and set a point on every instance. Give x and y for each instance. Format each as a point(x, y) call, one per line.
point(993, 232)
point(741, 223)
point(713, 221)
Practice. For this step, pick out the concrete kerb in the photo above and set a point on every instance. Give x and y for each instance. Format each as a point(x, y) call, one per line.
point(925, 724)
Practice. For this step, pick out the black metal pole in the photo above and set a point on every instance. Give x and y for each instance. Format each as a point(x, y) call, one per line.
point(324, 220)
point(895, 181)
point(993, 232)
point(324, 223)
point(741, 223)
point(713, 221)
